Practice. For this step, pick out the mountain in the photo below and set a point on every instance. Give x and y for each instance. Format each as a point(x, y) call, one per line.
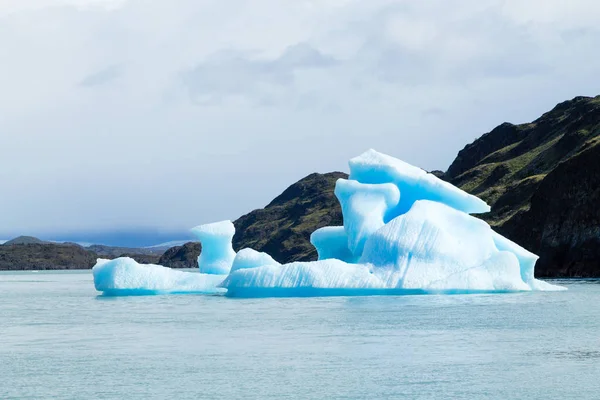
point(114, 251)
point(542, 180)
point(24, 240)
point(167, 245)
point(283, 227)
point(185, 256)
point(41, 256)
point(30, 253)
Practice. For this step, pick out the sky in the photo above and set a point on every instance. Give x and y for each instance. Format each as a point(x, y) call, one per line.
point(127, 117)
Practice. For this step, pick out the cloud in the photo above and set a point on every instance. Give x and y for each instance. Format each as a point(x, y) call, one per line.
point(128, 114)
point(236, 73)
point(101, 77)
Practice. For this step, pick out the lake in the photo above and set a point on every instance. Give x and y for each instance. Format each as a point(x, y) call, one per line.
point(60, 340)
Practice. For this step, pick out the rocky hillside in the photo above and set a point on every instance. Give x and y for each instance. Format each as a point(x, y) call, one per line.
point(542, 180)
point(29, 253)
point(115, 251)
point(41, 256)
point(283, 227)
point(185, 256)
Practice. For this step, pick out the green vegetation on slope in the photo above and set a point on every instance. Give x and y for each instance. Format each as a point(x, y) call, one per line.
point(513, 165)
point(283, 227)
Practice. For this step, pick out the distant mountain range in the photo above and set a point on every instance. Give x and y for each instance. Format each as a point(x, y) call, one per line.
point(31, 253)
point(542, 180)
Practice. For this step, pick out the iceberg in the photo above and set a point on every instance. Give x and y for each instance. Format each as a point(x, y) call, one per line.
point(217, 251)
point(125, 277)
point(405, 231)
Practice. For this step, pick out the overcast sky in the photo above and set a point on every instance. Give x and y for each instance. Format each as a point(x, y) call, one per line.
point(168, 114)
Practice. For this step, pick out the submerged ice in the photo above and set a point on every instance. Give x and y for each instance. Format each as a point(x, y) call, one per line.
point(405, 231)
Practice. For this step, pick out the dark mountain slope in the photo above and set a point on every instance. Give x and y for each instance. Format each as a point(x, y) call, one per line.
point(40, 256)
point(541, 180)
point(35, 254)
point(185, 256)
point(283, 227)
point(562, 224)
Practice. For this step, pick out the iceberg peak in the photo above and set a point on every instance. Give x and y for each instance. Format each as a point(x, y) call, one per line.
point(217, 253)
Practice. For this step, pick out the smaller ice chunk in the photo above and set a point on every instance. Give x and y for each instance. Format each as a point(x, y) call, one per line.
point(250, 258)
point(414, 183)
point(332, 242)
point(364, 207)
point(124, 276)
point(217, 250)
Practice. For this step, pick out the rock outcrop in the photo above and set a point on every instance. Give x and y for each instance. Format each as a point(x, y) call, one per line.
point(36, 256)
point(542, 180)
point(282, 229)
point(185, 256)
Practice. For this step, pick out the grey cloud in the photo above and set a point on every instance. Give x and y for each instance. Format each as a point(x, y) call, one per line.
point(232, 73)
point(102, 77)
point(501, 49)
point(434, 112)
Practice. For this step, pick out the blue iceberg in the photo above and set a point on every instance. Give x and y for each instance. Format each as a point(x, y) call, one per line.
point(125, 277)
point(405, 232)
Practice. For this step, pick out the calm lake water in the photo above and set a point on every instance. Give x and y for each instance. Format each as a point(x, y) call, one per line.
point(59, 340)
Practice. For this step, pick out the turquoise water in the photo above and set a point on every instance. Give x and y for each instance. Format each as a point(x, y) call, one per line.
point(59, 340)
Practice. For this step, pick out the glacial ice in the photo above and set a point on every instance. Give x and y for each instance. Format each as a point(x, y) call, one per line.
point(125, 277)
point(250, 258)
point(431, 249)
point(217, 251)
point(414, 184)
point(317, 278)
point(433, 245)
point(364, 208)
point(405, 232)
point(332, 242)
